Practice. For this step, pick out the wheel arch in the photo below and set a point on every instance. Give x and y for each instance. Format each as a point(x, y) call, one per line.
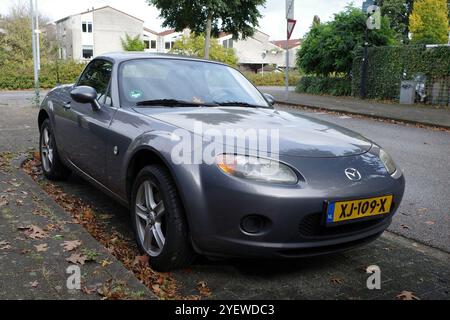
point(43, 115)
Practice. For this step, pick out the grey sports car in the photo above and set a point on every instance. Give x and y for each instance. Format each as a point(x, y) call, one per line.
point(207, 166)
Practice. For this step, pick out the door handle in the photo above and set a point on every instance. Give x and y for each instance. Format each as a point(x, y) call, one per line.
point(67, 106)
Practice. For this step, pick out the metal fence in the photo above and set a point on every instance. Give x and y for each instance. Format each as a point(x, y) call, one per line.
point(437, 91)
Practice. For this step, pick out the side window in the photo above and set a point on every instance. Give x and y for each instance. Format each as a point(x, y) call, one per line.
point(98, 75)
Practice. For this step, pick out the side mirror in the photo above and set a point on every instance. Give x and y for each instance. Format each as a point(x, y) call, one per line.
point(85, 94)
point(270, 99)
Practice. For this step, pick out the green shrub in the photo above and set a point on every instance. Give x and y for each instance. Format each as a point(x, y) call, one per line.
point(15, 76)
point(387, 66)
point(324, 85)
point(272, 78)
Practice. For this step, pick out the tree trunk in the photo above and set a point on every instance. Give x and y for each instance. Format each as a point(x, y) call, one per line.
point(208, 35)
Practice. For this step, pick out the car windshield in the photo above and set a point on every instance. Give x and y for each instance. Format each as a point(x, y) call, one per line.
point(146, 81)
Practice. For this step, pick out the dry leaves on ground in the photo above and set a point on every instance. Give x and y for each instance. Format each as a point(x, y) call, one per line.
point(5, 245)
point(34, 284)
point(71, 245)
point(77, 258)
point(407, 295)
point(202, 287)
point(34, 232)
point(337, 280)
point(41, 247)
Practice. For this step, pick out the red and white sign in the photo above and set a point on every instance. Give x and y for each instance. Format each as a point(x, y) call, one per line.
point(290, 27)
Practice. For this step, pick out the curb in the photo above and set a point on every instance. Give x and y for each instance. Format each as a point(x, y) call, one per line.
point(380, 117)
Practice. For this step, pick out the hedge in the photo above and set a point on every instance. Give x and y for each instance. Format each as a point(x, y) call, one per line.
point(324, 85)
point(14, 76)
point(388, 66)
point(272, 78)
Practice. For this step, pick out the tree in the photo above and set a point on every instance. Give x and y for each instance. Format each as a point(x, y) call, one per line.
point(238, 17)
point(398, 12)
point(428, 22)
point(15, 37)
point(329, 47)
point(194, 45)
point(132, 43)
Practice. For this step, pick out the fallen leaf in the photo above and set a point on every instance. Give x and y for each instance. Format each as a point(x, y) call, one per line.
point(71, 245)
point(105, 263)
point(422, 210)
point(34, 284)
point(34, 232)
point(5, 245)
point(41, 247)
point(4, 202)
point(77, 258)
point(430, 222)
point(89, 290)
point(202, 287)
point(336, 280)
point(19, 203)
point(141, 260)
point(404, 226)
point(407, 295)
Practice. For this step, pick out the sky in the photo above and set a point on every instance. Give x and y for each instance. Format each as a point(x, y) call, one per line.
point(272, 23)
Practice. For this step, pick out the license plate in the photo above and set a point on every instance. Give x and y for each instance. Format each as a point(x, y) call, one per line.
point(357, 209)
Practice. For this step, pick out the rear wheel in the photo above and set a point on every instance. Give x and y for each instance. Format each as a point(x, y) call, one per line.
point(158, 220)
point(52, 166)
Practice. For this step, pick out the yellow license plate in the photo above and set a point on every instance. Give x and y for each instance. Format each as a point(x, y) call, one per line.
point(358, 209)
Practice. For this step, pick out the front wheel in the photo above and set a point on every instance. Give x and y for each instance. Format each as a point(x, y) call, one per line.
point(158, 220)
point(52, 166)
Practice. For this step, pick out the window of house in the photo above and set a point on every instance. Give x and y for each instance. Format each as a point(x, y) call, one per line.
point(153, 44)
point(88, 52)
point(147, 44)
point(167, 45)
point(86, 27)
point(228, 43)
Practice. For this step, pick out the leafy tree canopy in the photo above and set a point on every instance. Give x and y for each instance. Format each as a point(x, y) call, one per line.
point(133, 43)
point(428, 22)
point(329, 47)
point(238, 17)
point(397, 11)
point(194, 46)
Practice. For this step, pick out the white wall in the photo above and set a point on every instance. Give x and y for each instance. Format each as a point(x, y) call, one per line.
point(110, 26)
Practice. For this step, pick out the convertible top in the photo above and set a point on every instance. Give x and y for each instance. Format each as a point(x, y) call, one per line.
point(126, 56)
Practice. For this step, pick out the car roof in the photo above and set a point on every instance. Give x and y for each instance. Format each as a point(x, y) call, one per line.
point(126, 56)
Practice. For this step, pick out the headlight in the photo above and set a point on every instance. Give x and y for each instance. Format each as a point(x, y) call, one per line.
point(389, 164)
point(257, 169)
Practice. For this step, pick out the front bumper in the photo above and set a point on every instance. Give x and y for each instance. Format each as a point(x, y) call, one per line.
point(216, 204)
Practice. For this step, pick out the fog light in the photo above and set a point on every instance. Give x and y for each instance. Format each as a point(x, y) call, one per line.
point(254, 224)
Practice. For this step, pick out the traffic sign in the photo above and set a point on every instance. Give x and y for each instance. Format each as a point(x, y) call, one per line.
point(290, 27)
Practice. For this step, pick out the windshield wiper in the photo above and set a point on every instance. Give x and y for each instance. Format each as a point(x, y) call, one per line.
point(238, 104)
point(173, 103)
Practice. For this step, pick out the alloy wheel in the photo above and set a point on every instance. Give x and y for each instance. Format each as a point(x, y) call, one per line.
point(150, 218)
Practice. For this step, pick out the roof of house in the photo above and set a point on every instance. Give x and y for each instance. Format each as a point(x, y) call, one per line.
point(167, 32)
point(291, 43)
point(151, 31)
point(101, 8)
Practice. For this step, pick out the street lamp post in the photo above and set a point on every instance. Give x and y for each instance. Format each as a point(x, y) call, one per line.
point(35, 47)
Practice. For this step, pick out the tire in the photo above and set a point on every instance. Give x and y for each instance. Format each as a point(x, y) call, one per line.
point(52, 167)
point(161, 228)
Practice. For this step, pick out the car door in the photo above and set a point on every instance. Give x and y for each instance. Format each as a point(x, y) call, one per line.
point(86, 129)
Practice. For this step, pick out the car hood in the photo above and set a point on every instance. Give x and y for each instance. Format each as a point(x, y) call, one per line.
point(299, 135)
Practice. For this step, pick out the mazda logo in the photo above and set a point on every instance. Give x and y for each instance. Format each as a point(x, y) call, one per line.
point(353, 174)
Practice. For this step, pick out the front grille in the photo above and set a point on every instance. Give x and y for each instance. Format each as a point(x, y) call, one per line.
point(312, 227)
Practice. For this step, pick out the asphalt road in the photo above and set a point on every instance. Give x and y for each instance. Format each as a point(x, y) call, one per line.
point(406, 265)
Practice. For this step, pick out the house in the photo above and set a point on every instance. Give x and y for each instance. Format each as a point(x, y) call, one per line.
point(293, 46)
point(257, 51)
point(94, 32)
point(161, 42)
